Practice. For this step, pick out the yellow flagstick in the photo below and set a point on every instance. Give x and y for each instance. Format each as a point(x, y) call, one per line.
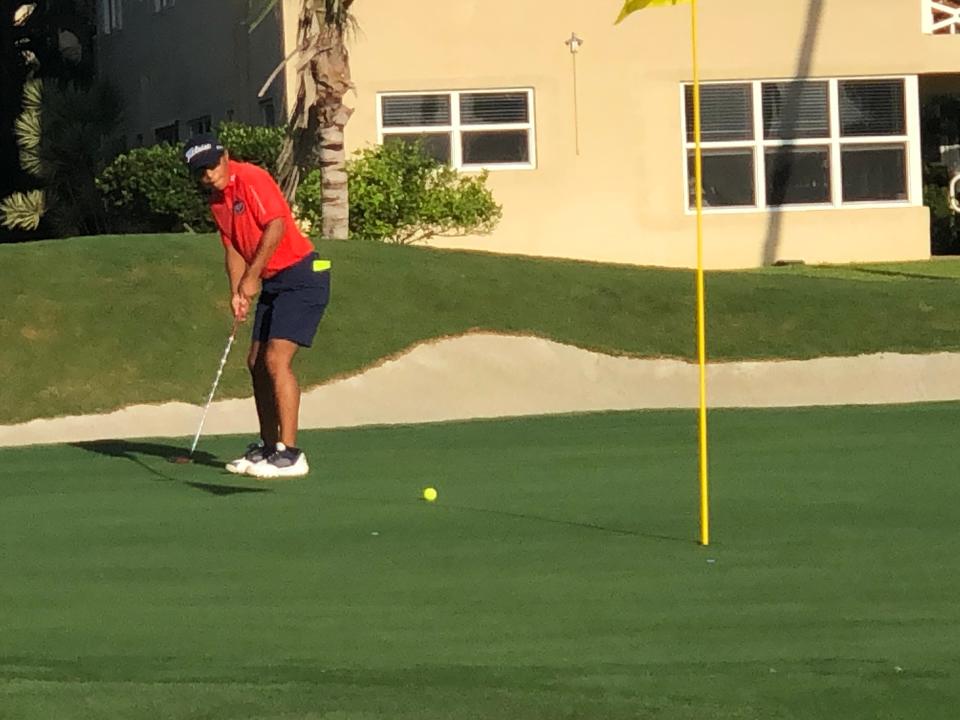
point(629, 7)
point(701, 303)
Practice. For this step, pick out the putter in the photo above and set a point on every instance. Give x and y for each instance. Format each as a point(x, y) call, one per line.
point(188, 458)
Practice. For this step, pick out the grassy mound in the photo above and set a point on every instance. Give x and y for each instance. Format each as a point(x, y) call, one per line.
point(93, 324)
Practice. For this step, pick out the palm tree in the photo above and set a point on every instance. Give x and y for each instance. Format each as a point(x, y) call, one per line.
point(319, 115)
point(33, 47)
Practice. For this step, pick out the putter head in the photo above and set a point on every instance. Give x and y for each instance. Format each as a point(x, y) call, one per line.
point(180, 459)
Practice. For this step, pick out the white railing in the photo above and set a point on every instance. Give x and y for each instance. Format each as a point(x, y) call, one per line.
point(941, 17)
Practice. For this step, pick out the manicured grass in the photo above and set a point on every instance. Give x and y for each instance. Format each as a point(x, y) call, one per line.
point(556, 577)
point(93, 324)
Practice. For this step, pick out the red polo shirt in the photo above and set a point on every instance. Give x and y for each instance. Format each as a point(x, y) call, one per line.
point(250, 201)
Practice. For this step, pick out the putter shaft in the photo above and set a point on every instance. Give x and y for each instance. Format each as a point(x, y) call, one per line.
point(216, 382)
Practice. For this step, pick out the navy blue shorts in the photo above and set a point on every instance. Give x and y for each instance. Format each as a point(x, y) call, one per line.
point(292, 302)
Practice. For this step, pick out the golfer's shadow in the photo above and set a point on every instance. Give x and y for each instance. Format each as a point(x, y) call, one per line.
point(131, 449)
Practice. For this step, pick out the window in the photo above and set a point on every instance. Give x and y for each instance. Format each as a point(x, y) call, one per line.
point(728, 178)
point(801, 143)
point(203, 124)
point(111, 16)
point(464, 129)
point(268, 112)
point(159, 5)
point(167, 134)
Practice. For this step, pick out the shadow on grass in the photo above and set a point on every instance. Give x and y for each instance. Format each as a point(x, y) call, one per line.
point(221, 490)
point(131, 449)
point(573, 523)
point(903, 274)
point(527, 517)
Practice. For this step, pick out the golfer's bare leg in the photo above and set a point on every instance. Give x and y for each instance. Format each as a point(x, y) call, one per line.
point(286, 389)
point(263, 394)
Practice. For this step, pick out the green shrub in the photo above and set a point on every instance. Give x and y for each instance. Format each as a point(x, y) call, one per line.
point(252, 143)
point(399, 194)
point(150, 189)
point(309, 199)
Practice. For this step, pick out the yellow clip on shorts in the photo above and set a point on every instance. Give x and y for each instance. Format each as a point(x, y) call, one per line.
point(293, 301)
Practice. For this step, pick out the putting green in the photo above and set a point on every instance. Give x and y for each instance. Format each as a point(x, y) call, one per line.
point(555, 577)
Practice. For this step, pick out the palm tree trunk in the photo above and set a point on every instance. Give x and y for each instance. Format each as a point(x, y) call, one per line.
point(333, 168)
point(318, 116)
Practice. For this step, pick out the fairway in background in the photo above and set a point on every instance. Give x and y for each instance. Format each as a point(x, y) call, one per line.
point(556, 576)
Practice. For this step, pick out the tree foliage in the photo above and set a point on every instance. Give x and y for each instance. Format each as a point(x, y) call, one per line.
point(150, 189)
point(65, 135)
point(23, 210)
point(401, 195)
point(252, 143)
point(42, 39)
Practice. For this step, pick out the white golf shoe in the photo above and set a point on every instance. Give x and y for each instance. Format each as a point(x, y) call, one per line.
point(283, 462)
point(256, 452)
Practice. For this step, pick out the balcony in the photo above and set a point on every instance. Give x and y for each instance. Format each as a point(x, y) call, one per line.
point(941, 17)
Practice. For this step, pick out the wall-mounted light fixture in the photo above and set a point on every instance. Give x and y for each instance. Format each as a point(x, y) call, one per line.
point(574, 43)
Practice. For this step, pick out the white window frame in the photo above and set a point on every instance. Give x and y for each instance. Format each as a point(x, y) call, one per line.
point(456, 129)
point(111, 16)
point(910, 140)
point(931, 26)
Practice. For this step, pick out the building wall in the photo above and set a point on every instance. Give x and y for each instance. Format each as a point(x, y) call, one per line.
point(190, 60)
point(622, 197)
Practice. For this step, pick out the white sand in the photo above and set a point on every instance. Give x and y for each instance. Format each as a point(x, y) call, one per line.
point(485, 375)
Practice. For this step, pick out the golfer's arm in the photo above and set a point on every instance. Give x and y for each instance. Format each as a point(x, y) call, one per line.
point(269, 241)
point(236, 267)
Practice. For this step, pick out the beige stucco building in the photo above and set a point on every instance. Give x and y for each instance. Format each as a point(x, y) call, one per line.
point(811, 121)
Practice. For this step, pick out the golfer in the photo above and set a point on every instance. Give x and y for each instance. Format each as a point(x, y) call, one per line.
point(265, 253)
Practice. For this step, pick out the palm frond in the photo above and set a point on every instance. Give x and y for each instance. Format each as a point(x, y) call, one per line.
point(27, 124)
point(30, 161)
point(32, 94)
point(27, 129)
point(23, 211)
point(335, 13)
point(261, 15)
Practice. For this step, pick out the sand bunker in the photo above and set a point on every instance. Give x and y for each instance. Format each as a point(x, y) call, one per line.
point(486, 375)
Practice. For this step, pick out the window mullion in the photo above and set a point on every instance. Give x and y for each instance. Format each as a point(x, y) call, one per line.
point(759, 156)
point(876, 140)
point(836, 159)
point(531, 136)
point(914, 162)
point(408, 129)
point(494, 127)
point(723, 145)
point(456, 142)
